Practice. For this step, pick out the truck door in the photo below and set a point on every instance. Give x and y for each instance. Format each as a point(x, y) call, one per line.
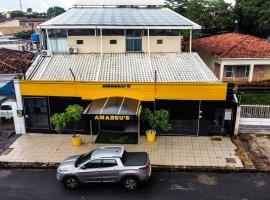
point(90, 171)
point(109, 170)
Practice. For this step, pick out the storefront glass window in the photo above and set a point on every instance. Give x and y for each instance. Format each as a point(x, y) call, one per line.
point(36, 113)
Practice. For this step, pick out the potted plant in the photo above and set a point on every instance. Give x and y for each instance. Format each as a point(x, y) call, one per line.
point(72, 114)
point(157, 120)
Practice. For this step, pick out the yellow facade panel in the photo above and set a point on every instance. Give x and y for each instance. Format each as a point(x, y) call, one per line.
point(140, 91)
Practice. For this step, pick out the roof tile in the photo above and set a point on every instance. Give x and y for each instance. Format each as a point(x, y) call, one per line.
point(232, 45)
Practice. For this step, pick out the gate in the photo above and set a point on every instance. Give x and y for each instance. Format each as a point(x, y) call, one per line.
point(255, 119)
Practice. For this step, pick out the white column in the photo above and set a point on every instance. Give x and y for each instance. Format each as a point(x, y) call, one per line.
point(221, 71)
point(250, 75)
point(19, 121)
point(148, 41)
point(101, 42)
point(190, 41)
point(237, 120)
point(48, 41)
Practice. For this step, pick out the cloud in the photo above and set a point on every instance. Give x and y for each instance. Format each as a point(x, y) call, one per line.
point(37, 5)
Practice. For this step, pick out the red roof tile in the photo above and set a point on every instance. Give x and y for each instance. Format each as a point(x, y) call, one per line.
point(14, 62)
point(232, 45)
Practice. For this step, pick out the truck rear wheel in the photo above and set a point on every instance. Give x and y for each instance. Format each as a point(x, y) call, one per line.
point(130, 183)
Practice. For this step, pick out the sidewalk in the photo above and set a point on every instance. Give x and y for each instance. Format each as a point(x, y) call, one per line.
point(171, 151)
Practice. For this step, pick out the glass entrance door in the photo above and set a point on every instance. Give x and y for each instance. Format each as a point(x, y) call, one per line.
point(134, 40)
point(36, 113)
point(134, 44)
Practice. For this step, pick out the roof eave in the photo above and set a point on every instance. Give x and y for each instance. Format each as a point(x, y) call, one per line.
point(194, 27)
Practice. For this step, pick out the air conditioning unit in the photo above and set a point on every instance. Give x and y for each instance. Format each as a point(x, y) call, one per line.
point(46, 53)
point(73, 50)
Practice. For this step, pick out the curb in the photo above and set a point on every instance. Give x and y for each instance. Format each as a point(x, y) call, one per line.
point(172, 168)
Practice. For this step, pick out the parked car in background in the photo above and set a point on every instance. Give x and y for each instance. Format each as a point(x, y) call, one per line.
point(106, 164)
point(7, 109)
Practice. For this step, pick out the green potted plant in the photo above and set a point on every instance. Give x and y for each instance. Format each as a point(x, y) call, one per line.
point(59, 121)
point(72, 114)
point(157, 120)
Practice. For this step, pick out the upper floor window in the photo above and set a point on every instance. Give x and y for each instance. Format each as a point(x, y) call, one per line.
point(113, 32)
point(236, 71)
point(57, 33)
point(157, 32)
point(79, 32)
point(113, 41)
point(79, 41)
point(134, 33)
point(159, 41)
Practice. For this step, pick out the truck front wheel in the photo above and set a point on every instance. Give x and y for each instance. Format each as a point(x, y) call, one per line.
point(71, 182)
point(130, 183)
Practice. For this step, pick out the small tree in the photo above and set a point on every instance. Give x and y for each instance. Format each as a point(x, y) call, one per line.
point(158, 119)
point(59, 121)
point(74, 114)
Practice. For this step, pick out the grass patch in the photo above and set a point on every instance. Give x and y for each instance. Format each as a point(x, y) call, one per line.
point(255, 98)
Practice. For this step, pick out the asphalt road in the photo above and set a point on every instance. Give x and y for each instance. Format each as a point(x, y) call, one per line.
point(42, 184)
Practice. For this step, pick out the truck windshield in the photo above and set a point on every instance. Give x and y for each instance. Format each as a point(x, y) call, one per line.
point(83, 158)
point(6, 108)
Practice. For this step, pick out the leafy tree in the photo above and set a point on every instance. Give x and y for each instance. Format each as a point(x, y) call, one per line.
point(215, 16)
point(74, 114)
point(178, 6)
point(29, 10)
point(253, 16)
point(59, 121)
point(55, 11)
point(158, 119)
point(17, 13)
point(24, 35)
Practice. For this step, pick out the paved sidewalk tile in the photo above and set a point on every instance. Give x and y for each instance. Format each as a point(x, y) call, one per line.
point(166, 150)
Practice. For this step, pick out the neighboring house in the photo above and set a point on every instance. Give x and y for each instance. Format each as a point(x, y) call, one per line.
point(13, 64)
point(22, 22)
point(236, 57)
point(13, 26)
point(114, 59)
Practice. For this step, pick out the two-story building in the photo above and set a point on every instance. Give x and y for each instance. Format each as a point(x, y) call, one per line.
point(115, 58)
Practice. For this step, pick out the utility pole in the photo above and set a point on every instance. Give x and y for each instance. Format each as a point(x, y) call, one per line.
point(21, 5)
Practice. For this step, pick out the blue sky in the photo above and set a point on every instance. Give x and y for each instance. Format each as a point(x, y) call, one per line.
point(40, 5)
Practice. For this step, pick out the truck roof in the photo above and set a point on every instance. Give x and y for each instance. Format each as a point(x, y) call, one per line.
point(108, 152)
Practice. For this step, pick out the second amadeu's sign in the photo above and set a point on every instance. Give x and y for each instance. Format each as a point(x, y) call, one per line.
point(112, 117)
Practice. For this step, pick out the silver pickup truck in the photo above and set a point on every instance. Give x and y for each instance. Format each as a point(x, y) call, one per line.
point(105, 164)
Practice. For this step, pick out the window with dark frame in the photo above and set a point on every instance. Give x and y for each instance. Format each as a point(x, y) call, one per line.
point(113, 41)
point(159, 41)
point(79, 41)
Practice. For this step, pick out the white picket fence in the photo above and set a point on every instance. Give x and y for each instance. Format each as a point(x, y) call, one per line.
point(255, 118)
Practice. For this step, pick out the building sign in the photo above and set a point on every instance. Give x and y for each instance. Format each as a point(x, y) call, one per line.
point(228, 114)
point(113, 117)
point(116, 85)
